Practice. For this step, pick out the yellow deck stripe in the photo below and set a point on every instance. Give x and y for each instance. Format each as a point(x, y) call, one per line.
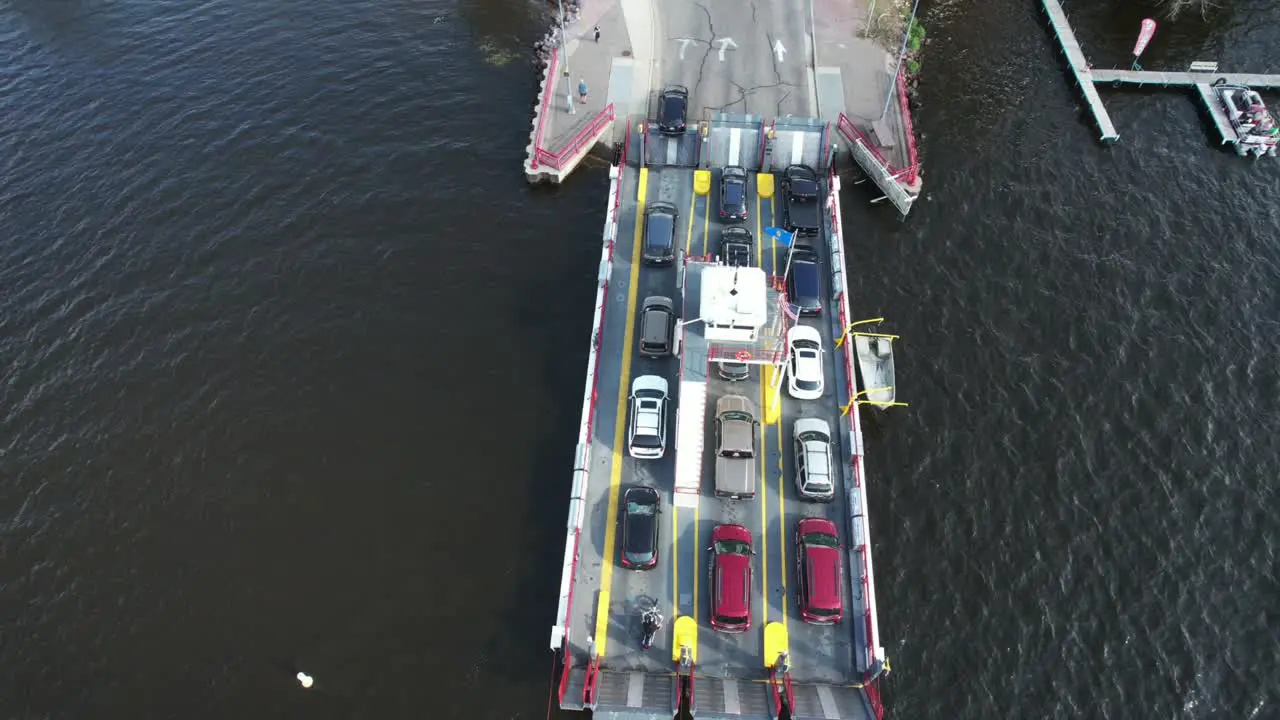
point(782, 480)
point(764, 491)
point(620, 424)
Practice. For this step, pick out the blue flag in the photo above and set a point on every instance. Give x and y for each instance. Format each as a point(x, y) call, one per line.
point(780, 236)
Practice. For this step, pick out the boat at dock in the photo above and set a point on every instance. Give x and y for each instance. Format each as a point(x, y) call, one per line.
point(1256, 132)
point(875, 364)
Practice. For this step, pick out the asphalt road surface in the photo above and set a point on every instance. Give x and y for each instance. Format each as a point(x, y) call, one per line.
point(736, 56)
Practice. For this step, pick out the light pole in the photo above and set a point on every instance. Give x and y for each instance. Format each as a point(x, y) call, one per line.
point(906, 36)
point(564, 55)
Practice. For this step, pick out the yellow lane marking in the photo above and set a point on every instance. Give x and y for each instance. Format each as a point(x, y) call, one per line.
point(706, 225)
point(675, 561)
point(764, 490)
point(782, 518)
point(620, 423)
point(688, 238)
point(773, 217)
point(697, 549)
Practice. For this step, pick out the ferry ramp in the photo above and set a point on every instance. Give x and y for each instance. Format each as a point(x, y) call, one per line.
point(602, 605)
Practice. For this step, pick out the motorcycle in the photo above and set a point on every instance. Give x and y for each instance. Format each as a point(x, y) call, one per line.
point(650, 626)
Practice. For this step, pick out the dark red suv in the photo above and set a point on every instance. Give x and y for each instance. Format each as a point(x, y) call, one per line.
point(819, 572)
point(731, 578)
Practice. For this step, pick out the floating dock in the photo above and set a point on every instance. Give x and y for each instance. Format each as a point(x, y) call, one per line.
point(1200, 74)
point(782, 666)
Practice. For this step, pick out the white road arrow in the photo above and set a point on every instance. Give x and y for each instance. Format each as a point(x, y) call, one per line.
point(684, 45)
point(726, 43)
point(779, 50)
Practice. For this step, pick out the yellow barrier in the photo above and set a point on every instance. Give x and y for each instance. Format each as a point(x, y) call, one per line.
point(702, 181)
point(775, 643)
point(685, 633)
point(764, 185)
point(772, 394)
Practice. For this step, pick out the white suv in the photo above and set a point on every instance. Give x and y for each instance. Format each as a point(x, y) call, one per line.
point(814, 474)
point(648, 436)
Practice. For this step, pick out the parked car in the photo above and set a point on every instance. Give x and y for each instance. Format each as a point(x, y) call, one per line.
point(660, 233)
point(804, 371)
point(730, 569)
point(733, 194)
point(736, 431)
point(819, 572)
point(812, 441)
point(648, 438)
point(640, 527)
point(673, 110)
point(802, 212)
point(804, 281)
point(657, 326)
point(737, 246)
point(733, 371)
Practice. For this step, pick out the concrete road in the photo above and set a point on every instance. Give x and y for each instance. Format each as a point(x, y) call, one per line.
point(738, 56)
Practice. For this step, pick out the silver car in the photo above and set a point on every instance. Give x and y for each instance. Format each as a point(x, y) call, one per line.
point(814, 474)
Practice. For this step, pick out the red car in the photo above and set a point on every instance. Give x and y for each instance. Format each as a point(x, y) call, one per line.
point(731, 578)
point(819, 572)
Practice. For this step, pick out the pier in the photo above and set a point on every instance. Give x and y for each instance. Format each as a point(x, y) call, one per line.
point(1201, 76)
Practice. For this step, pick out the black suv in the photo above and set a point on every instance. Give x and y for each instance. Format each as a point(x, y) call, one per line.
point(804, 281)
point(660, 233)
point(673, 110)
point(735, 246)
point(733, 194)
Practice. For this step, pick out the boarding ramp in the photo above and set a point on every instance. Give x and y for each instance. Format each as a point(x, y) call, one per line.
point(678, 151)
point(798, 141)
point(734, 139)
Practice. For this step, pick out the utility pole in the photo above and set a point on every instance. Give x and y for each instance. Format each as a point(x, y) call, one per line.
point(564, 56)
point(906, 35)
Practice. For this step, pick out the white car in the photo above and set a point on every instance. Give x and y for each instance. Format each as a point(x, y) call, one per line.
point(812, 438)
point(804, 368)
point(647, 439)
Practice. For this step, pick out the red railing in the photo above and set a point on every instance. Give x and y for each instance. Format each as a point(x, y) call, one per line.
point(913, 162)
point(585, 136)
point(908, 174)
point(553, 64)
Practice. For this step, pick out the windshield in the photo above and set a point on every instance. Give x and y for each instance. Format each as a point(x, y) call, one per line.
point(731, 619)
point(635, 508)
point(735, 414)
point(821, 540)
point(806, 384)
point(736, 547)
point(646, 441)
point(813, 436)
point(824, 612)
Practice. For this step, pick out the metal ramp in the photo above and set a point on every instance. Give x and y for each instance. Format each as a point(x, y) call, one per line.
point(732, 698)
point(634, 695)
point(829, 702)
point(671, 150)
point(735, 140)
point(690, 436)
point(799, 141)
point(574, 688)
point(880, 175)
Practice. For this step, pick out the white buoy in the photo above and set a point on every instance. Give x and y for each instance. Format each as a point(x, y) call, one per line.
point(305, 680)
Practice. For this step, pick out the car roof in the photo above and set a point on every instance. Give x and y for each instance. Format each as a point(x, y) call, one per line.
point(804, 425)
point(649, 382)
point(734, 593)
point(823, 564)
point(804, 332)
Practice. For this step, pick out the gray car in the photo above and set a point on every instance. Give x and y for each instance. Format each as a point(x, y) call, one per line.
point(737, 463)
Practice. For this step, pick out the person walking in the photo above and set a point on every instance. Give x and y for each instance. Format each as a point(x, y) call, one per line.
point(582, 90)
point(596, 32)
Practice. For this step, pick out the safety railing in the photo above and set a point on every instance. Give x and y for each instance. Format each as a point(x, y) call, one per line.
point(913, 162)
point(851, 133)
point(862, 546)
point(587, 424)
point(581, 140)
point(553, 64)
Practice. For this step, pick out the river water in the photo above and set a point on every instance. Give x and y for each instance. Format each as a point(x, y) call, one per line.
point(291, 357)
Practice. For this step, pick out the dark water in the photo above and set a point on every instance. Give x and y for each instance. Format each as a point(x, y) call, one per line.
point(291, 358)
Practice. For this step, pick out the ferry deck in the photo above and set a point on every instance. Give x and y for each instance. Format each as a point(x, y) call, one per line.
point(782, 666)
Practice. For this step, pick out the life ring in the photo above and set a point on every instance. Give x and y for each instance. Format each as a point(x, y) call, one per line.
point(743, 356)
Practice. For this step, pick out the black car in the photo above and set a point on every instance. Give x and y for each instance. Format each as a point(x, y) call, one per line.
point(734, 371)
point(673, 110)
point(640, 527)
point(804, 281)
point(733, 194)
point(660, 233)
point(736, 246)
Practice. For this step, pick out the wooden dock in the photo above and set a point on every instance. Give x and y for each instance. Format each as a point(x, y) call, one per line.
point(1080, 68)
point(1187, 79)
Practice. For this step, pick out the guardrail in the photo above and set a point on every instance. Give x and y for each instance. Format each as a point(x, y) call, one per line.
point(860, 531)
point(553, 64)
point(583, 138)
point(582, 453)
point(905, 175)
point(913, 162)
